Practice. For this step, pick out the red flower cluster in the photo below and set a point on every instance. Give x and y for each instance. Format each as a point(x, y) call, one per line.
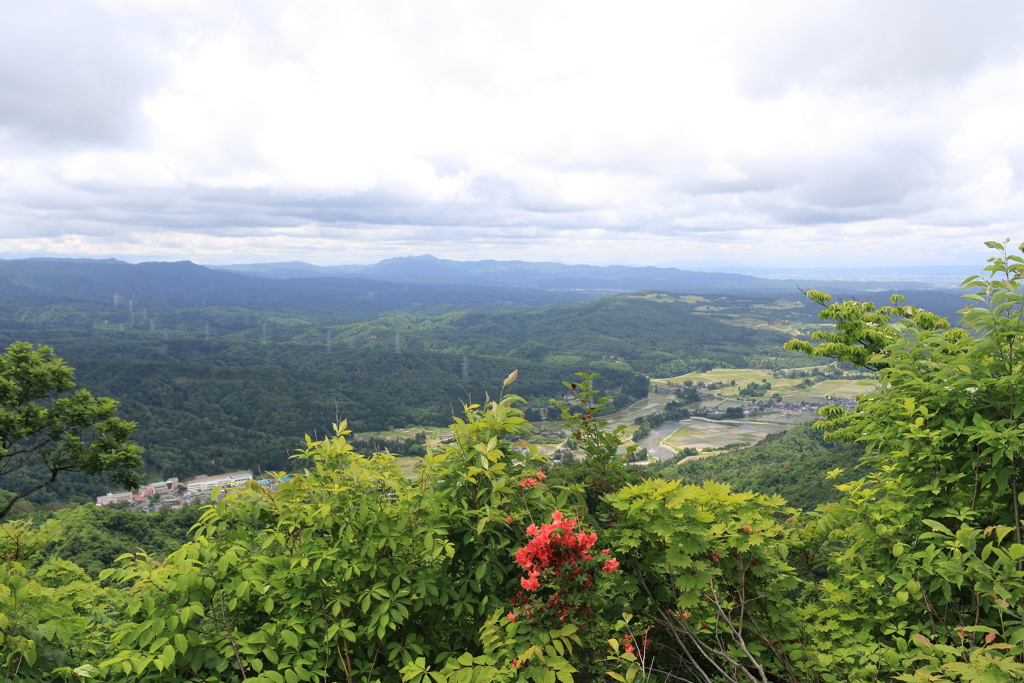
point(555, 545)
point(533, 481)
point(563, 583)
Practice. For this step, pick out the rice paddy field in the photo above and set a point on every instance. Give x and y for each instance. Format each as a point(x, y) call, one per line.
point(742, 377)
point(836, 388)
point(700, 434)
point(703, 434)
point(786, 387)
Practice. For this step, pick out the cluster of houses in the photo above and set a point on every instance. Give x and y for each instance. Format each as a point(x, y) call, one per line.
point(173, 494)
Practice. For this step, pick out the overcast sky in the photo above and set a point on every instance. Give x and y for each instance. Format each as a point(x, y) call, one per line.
point(332, 131)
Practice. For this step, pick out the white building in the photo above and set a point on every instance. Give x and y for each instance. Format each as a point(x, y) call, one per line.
point(203, 483)
point(111, 498)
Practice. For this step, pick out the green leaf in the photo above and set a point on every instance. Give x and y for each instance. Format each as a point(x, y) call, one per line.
point(48, 630)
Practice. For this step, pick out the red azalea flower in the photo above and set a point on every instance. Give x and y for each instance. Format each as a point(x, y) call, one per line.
point(511, 616)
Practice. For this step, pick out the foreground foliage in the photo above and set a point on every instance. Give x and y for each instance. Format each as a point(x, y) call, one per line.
point(479, 570)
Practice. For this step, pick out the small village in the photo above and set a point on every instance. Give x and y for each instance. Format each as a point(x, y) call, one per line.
point(173, 494)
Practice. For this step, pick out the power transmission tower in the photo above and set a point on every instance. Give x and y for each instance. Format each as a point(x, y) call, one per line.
point(465, 367)
point(207, 330)
point(264, 333)
point(132, 311)
point(328, 341)
point(398, 343)
point(152, 324)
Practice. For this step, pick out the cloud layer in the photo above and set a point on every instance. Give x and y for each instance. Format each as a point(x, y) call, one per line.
point(774, 134)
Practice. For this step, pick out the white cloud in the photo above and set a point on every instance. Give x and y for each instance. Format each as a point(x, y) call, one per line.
point(849, 132)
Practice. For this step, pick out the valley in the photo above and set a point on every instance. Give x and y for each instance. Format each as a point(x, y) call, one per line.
point(224, 371)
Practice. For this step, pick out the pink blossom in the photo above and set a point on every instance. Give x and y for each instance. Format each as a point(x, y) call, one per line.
point(610, 566)
point(510, 616)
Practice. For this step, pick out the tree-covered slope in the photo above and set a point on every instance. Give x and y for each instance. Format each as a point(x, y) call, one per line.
point(93, 538)
point(652, 337)
point(207, 406)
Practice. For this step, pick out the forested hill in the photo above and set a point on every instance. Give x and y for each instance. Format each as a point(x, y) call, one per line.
point(656, 338)
point(239, 400)
point(220, 405)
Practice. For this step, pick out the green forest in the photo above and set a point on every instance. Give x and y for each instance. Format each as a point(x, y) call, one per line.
point(240, 398)
point(882, 543)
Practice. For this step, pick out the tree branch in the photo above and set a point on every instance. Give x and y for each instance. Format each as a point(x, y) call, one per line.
point(29, 492)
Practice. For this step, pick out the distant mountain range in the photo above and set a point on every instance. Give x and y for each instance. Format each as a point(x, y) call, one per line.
point(559, 276)
point(421, 284)
point(186, 285)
